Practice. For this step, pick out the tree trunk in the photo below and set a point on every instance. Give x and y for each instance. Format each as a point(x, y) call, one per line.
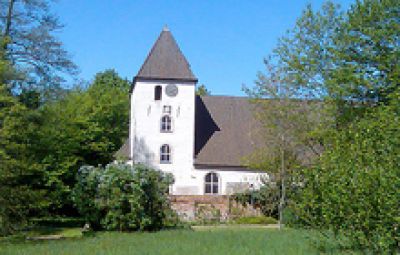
point(8, 22)
point(283, 191)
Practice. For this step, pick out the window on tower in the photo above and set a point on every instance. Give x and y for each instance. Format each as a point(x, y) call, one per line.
point(157, 93)
point(167, 109)
point(165, 154)
point(166, 124)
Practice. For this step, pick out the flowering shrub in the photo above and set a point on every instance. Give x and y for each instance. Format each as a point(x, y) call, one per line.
point(123, 197)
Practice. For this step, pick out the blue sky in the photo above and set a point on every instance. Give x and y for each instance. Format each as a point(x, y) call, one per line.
point(224, 41)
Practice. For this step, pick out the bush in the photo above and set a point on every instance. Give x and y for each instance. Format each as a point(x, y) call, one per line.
point(58, 221)
point(256, 220)
point(85, 193)
point(354, 190)
point(266, 198)
point(123, 197)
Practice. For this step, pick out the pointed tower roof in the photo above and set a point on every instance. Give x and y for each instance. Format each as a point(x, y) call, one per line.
point(166, 61)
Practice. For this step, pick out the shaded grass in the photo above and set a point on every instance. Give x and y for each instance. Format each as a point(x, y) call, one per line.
point(65, 232)
point(222, 241)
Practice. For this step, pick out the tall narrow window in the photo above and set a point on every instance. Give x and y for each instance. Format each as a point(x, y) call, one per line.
point(166, 124)
point(165, 154)
point(211, 183)
point(157, 92)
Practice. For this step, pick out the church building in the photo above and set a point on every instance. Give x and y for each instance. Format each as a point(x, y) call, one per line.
point(202, 140)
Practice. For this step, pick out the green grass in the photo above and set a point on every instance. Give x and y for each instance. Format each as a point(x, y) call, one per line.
point(256, 220)
point(65, 232)
point(217, 241)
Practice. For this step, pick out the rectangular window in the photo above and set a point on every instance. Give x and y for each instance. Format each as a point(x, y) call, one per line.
point(157, 93)
point(165, 154)
point(167, 109)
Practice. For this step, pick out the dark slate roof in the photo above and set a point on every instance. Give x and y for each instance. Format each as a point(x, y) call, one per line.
point(165, 61)
point(226, 131)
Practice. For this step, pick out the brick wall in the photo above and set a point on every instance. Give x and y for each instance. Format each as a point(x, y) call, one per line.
point(209, 207)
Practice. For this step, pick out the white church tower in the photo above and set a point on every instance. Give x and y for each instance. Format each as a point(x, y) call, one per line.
point(163, 111)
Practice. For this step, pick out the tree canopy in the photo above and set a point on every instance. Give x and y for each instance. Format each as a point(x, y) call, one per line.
point(29, 29)
point(345, 67)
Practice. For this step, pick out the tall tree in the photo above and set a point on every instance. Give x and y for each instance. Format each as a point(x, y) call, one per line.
point(367, 52)
point(350, 64)
point(86, 127)
point(354, 190)
point(32, 47)
point(287, 96)
point(20, 175)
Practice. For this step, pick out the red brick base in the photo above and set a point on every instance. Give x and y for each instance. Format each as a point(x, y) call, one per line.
point(209, 208)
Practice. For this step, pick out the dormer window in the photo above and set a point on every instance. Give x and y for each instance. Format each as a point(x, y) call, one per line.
point(157, 93)
point(165, 154)
point(166, 124)
point(167, 109)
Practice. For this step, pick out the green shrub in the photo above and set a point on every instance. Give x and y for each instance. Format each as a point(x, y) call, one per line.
point(123, 197)
point(354, 190)
point(256, 220)
point(207, 214)
point(266, 199)
point(58, 221)
point(85, 193)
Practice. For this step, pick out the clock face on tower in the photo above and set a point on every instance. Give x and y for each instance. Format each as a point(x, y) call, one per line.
point(171, 90)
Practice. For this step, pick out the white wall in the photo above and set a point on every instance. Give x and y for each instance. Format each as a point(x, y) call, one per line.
point(243, 178)
point(146, 138)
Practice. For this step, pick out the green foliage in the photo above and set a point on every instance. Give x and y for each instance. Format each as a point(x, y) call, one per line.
point(366, 52)
point(86, 127)
point(348, 64)
point(202, 91)
point(123, 197)
point(84, 194)
point(207, 214)
point(256, 220)
point(57, 222)
point(30, 28)
point(19, 173)
point(266, 199)
point(287, 98)
point(354, 190)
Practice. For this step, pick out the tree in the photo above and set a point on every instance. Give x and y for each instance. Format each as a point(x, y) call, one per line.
point(29, 28)
point(359, 170)
point(202, 91)
point(287, 98)
point(287, 124)
point(20, 175)
point(335, 61)
point(354, 190)
point(366, 53)
point(87, 126)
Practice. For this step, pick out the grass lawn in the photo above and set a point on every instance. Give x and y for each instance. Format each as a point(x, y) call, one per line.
point(213, 241)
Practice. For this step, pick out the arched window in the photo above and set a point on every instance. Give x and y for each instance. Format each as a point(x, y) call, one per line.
point(166, 124)
point(211, 184)
point(157, 92)
point(165, 154)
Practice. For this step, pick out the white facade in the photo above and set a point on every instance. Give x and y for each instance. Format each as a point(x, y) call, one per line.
point(147, 138)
